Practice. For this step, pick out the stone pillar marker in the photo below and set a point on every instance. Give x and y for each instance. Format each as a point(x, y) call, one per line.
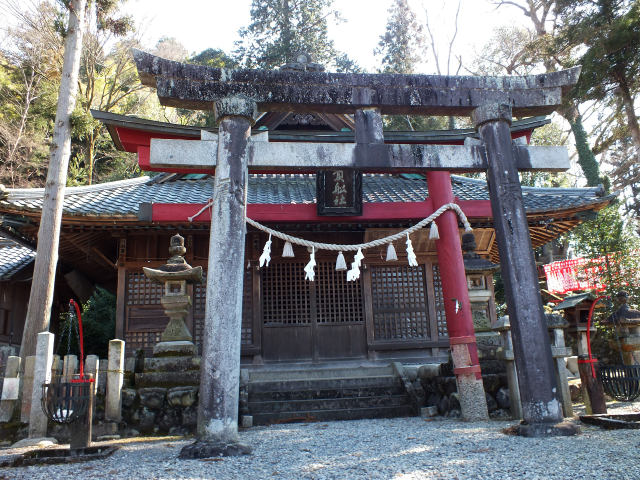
point(27, 387)
point(217, 429)
point(556, 325)
point(41, 374)
point(592, 391)
point(92, 367)
point(69, 367)
point(503, 326)
point(115, 378)
point(541, 410)
point(10, 389)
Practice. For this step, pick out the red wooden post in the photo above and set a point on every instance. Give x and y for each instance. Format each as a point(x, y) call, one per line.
point(456, 301)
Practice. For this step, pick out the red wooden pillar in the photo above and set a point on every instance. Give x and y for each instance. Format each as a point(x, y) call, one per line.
point(456, 301)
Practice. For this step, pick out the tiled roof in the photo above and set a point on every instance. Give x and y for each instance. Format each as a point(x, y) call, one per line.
point(123, 197)
point(13, 258)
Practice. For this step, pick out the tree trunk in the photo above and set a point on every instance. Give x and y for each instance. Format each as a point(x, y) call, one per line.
point(41, 298)
point(632, 118)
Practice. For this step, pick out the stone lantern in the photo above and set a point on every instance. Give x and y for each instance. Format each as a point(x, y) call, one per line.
point(175, 275)
point(479, 273)
point(627, 323)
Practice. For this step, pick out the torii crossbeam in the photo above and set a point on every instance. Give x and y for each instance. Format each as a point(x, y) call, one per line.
point(236, 95)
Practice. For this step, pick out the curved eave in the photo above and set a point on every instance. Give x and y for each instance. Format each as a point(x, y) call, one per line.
point(198, 87)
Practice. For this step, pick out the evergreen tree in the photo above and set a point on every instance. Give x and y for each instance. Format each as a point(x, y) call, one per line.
point(280, 29)
point(402, 45)
point(402, 48)
point(610, 29)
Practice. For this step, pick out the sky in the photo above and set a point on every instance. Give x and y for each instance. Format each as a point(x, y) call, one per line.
point(201, 24)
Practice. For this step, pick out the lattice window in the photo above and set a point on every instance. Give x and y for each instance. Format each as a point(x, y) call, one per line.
point(400, 309)
point(337, 300)
point(141, 291)
point(437, 291)
point(286, 298)
point(141, 340)
point(199, 307)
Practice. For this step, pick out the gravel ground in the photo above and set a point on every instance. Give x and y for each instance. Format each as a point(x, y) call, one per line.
point(400, 448)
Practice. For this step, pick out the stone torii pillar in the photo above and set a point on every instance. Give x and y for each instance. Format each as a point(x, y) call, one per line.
point(220, 364)
point(541, 410)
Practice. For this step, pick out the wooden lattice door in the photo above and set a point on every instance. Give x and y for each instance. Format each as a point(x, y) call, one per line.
point(304, 320)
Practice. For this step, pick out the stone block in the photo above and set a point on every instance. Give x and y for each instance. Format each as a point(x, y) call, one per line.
point(174, 349)
point(171, 364)
point(429, 371)
point(427, 412)
point(152, 397)
point(190, 417)
point(503, 399)
point(168, 419)
point(168, 379)
point(128, 397)
point(572, 365)
point(182, 396)
point(246, 421)
point(492, 404)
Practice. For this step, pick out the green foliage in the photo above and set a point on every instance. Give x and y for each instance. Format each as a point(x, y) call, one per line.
point(99, 322)
point(280, 29)
point(402, 45)
point(612, 237)
point(610, 29)
point(98, 325)
point(214, 57)
point(586, 158)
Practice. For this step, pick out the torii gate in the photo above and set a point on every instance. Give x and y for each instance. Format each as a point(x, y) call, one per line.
point(237, 95)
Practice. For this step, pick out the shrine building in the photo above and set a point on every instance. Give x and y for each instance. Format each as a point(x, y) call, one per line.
point(392, 312)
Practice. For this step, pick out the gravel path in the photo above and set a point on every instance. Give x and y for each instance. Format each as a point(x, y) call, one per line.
point(400, 448)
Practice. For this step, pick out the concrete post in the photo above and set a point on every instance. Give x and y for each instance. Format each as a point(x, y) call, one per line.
point(27, 387)
point(473, 402)
point(10, 389)
point(503, 326)
point(92, 367)
point(217, 429)
point(69, 367)
point(540, 406)
point(115, 378)
point(41, 374)
point(560, 351)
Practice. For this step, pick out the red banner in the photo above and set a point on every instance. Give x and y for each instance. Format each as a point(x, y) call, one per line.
point(576, 274)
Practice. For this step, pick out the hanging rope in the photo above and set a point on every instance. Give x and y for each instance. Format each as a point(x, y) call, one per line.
point(374, 243)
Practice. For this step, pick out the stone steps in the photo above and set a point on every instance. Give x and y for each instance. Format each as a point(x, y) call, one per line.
point(322, 394)
point(322, 404)
point(335, 414)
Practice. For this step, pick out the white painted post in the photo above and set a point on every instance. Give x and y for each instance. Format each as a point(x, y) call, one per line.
point(10, 389)
point(27, 387)
point(115, 379)
point(41, 375)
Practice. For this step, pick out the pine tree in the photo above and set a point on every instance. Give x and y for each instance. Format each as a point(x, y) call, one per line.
point(280, 29)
